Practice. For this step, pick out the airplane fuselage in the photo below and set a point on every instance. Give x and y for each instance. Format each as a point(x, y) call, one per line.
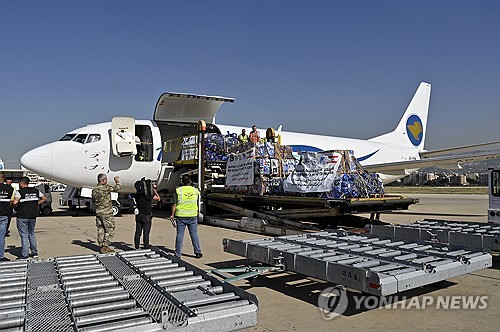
point(78, 161)
point(110, 148)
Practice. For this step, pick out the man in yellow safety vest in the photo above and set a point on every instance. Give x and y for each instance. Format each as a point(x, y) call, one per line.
point(243, 137)
point(185, 214)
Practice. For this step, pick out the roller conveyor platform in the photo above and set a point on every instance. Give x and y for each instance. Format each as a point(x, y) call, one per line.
point(468, 234)
point(141, 290)
point(372, 264)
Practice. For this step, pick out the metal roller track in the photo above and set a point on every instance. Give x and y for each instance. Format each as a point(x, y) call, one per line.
point(95, 297)
point(376, 265)
point(82, 301)
point(94, 293)
point(461, 233)
point(141, 290)
point(13, 276)
point(123, 325)
point(196, 300)
point(127, 304)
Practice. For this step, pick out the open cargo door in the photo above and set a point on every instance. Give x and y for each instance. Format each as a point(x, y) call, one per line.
point(123, 136)
point(181, 107)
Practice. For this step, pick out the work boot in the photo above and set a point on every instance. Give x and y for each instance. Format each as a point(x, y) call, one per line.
point(106, 250)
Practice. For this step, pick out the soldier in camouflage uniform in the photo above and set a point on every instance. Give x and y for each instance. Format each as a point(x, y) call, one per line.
point(105, 222)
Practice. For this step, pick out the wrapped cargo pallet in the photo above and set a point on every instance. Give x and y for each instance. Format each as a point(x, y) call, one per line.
point(315, 173)
point(270, 168)
point(217, 146)
point(316, 170)
point(271, 163)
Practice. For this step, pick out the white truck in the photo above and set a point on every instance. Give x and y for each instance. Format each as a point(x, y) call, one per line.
point(76, 198)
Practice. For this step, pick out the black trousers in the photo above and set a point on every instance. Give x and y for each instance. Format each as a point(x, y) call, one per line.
point(142, 225)
point(8, 223)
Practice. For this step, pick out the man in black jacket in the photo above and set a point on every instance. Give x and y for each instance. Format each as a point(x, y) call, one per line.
point(27, 200)
point(6, 198)
point(144, 217)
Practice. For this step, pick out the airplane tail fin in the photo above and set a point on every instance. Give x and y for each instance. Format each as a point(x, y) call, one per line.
point(412, 126)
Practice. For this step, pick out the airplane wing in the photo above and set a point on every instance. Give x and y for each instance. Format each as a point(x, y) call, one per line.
point(446, 162)
point(460, 149)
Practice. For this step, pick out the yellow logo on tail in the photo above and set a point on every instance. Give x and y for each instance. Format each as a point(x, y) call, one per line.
point(415, 129)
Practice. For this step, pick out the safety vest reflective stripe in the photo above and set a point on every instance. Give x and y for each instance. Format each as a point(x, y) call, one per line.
point(5, 199)
point(187, 202)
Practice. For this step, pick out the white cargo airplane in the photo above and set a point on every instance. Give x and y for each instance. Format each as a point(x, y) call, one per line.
point(114, 148)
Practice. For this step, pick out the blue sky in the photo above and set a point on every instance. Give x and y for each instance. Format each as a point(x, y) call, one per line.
point(343, 68)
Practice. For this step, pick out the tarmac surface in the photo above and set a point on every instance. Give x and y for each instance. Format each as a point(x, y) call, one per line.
point(289, 301)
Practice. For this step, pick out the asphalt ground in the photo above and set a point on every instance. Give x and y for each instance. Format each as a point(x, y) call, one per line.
point(289, 301)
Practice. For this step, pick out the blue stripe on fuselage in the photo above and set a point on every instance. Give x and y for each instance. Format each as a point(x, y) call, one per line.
point(305, 148)
point(367, 156)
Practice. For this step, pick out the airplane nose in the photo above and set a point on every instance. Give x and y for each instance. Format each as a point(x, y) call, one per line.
point(39, 160)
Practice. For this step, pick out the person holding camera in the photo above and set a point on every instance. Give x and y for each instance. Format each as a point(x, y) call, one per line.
point(145, 194)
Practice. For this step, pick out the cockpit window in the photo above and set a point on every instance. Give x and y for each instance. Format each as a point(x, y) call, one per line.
point(67, 137)
point(93, 138)
point(80, 138)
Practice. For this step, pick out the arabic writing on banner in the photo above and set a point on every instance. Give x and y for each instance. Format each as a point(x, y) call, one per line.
point(315, 173)
point(240, 169)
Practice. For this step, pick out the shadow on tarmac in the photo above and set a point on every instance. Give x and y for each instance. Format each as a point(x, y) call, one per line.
point(123, 246)
point(14, 250)
point(92, 245)
point(89, 244)
point(70, 213)
point(172, 251)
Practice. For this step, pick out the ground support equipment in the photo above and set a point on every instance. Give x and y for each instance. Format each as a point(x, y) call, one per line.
point(141, 290)
point(467, 234)
point(372, 264)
